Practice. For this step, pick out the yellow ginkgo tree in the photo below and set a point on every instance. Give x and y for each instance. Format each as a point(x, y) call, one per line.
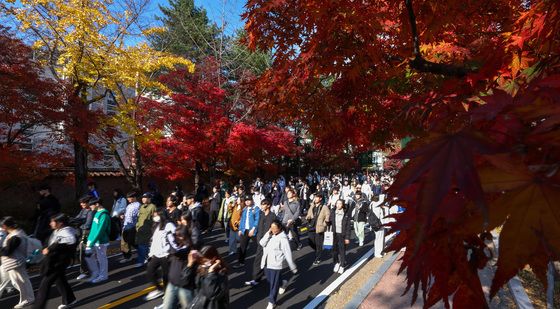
point(97, 47)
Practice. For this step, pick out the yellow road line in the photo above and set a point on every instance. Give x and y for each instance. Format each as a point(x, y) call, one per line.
point(128, 298)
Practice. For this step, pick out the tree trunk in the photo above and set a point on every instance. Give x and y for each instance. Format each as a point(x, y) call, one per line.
point(138, 170)
point(197, 172)
point(80, 168)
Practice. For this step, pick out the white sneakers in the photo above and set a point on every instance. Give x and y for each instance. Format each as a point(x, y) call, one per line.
point(68, 305)
point(154, 294)
point(251, 283)
point(341, 270)
point(82, 277)
point(336, 267)
point(282, 289)
point(270, 306)
point(23, 304)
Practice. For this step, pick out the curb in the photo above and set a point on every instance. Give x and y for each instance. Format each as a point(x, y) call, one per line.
point(362, 294)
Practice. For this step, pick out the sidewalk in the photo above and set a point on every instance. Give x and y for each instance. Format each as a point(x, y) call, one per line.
point(387, 292)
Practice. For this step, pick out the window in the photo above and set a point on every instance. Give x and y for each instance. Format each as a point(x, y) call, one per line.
point(25, 144)
point(110, 105)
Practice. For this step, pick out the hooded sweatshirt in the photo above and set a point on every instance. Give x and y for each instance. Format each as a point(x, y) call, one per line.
point(276, 249)
point(100, 229)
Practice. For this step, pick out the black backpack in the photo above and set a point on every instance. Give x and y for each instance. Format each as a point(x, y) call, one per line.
point(374, 221)
point(115, 230)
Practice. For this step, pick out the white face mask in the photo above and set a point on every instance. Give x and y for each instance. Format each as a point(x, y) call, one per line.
point(157, 219)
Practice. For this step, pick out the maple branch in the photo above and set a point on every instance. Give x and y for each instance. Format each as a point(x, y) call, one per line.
point(422, 65)
point(99, 97)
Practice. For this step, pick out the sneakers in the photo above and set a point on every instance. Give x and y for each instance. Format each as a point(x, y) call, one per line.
point(231, 253)
point(237, 266)
point(299, 247)
point(282, 289)
point(317, 262)
point(82, 276)
point(270, 306)
point(125, 260)
point(361, 243)
point(341, 270)
point(70, 305)
point(154, 294)
point(159, 307)
point(336, 267)
point(251, 283)
point(98, 280)
point(138, 265)
point(23, 304)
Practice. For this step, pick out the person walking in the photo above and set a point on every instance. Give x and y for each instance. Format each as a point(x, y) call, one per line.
point(194, 232)
point(12, 255)
point(144, 229)
point(47, 207)
point(97, 243)
point(234, 222)
point(173, 213)
point(180, 288)
point(340, 221)
point(5, 283)
point(224, 214)
point(360, 216)
point(58, 256)
point(89, 212)
point(212, 289)
point(118, 209)
point(317, 216)
point(378, 210)
point(215, 202)
point(276, 250)
point(266, 217)
point(158, 257)
point(247, 228)
point(290, 219)
point(130, 218)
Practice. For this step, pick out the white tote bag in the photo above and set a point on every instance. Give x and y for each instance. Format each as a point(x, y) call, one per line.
point(329, 239)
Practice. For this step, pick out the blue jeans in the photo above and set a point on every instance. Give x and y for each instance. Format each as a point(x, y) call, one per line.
point(233, 237)
point(142, 253)
point(174, 294)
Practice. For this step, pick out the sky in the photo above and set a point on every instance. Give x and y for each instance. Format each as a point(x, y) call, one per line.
point(231, 9)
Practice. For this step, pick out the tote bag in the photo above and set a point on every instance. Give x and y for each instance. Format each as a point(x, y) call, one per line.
point(328, 240)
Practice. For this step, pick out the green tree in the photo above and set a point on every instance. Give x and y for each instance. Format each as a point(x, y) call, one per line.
point(189, 31)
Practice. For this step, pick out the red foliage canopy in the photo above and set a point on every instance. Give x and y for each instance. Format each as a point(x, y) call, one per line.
point(200, 126)
point(477, 83)
point(30, 102)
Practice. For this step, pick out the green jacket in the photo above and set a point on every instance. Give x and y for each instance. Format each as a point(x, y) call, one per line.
point(100, 228)
point(144, 224)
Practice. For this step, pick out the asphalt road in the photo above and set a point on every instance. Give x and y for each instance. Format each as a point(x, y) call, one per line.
point(127, 285)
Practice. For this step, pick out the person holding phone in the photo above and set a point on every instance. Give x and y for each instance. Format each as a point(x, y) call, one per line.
point(276, 250)
point(210, 272)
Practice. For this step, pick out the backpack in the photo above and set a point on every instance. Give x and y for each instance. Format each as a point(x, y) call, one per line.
point(33, 250)
point(115, 229)
point(373, 220)
point(205, 219)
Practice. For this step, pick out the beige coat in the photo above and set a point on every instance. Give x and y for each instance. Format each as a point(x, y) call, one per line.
point(321, 223)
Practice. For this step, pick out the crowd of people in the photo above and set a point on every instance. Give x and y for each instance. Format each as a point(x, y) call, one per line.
point(168, 235)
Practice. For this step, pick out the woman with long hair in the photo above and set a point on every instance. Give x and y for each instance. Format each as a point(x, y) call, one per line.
point(159, 252)
point(194, 231)
point(13, 255)
point(58, 256)
point(339, 219)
